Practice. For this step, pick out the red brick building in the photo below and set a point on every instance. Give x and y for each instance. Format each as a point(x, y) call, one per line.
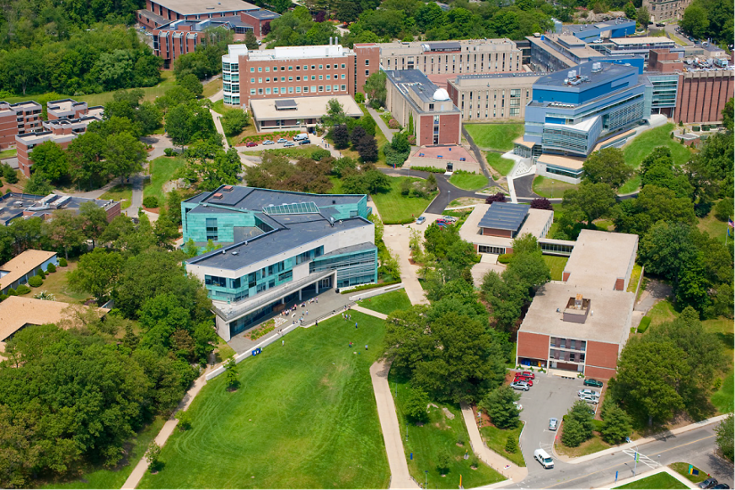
point(703, 95)
point(582, 324)
point(20, 118)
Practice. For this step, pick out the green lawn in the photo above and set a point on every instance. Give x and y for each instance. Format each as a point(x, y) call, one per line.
point(630, 185)
point(723, 398)
point(440, 435)
point(683, 470)
point(115, 478)
point(496, 440)
point(57, 284)
point(717, 229)
point(635, 276)
point(212, 87)
point(556, 265)
point(495, 136)
point(336, 185)
point(296, 152)
point(501, 165)
point(219, 107)
point(122, 193)
point(396, 208)
point(303, 417)
point(387, 303)
point(657, 481)
point(162, 170)
point(590, 446)
point(546, 187)
point(468, 180)
point(9, 153)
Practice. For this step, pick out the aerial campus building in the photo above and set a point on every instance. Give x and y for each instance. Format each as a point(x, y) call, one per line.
point(278, 248)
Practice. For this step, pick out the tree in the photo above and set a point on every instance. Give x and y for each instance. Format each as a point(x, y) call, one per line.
point(340, 136)
point(93, 220)
point(10, 174)
point(335, 113)
point(96, 273)
point(694, 21)
point(251, 41)
point(86, 153)
point(376, 181)
point(727, 114)
point(64, 231)
point(501, 408)
point(643, 16)
point(578, 425)
point(616, 426)
point(368, 148)
point(231, 373)
point(725, 437)
point(497, 197)
point(416, 405)
point(234, 121)
point(589, 201)
point(50, 161)
point(348, 11)
point(124, 155)
point(667, 249)
point(511, 445)
point(179, 124)
point(630, 11)
point(652, 205)
point(153, 455)
point(38, 184)
point(607, 166)
point(542, 203)
point(375, 89)
point(358, 132)
point(191, 83)
point(400, 143)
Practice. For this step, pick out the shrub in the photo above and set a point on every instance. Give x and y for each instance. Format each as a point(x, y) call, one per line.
point(51, 268)
point(442, 462)
point(23, 289)
point(645, 322)
point(393, 124)
point(499, 197)
point(598, 425)
point(152, 455)
point(150, 202)
point(616, 427)
point(359, 97)
point(724, 209)
point(320, 154)
point(169, 152)
point(62, 262)
point(35, 281)
point(511, 445)
point(504, 258)
point(12, 292)
point(184, 419)
point(542, 203)
point(415, 405)
point(412, 139)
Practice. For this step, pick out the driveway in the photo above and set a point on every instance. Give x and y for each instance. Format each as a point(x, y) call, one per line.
point(550, 396)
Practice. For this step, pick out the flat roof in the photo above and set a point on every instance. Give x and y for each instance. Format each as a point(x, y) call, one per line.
point(296, 52)
point(622, 41)
point(301, 107)
point(189, 7)
point(21, 265)
point(498, 79)
point(256, 199)
point(263, 14)
point(523, 142)
point(600, 258)
point(16, 205)
point(608, 320)
point(504, 216)
point(561, 161)
point(535, 223)
point(608, 72)
point(604, 25)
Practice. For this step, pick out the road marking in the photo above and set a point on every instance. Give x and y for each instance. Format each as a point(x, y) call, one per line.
point(623, 464)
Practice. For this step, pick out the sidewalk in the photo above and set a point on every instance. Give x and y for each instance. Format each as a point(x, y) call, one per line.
point(639, 442)
point(497, 462)
point(367, 311)
point(218, 125)
point(400, 477)
point(387, 132)
point(396, 238)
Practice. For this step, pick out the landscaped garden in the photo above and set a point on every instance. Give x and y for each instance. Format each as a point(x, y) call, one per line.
point(501, 165)
point(546, 187)
point(468, 180)
point(497, 439)
point(303, 416)
point(387, 303)
point(495, 136)
point(394, 207)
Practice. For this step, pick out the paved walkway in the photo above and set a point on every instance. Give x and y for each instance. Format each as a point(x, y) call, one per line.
point(399, 475)
point(159, 143)
point(218, 124)
point(168, 428)
point(387, 132)
point(370, 312)
point(497, 462)
point(397, 238)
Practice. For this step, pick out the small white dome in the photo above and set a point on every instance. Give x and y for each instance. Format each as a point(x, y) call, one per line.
point(441, 94)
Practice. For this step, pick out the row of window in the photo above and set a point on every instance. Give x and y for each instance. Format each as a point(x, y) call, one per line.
point(512, 112)
point(298, 67)
point(290, 90)
point(514, 93)
point(298, 79)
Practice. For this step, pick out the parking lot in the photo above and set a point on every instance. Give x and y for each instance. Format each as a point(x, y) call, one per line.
point(550, 396)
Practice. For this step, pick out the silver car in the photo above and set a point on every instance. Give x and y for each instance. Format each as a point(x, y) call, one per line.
point(520, 385)
point(553, 424)
point(592, 393)
point(590, 399)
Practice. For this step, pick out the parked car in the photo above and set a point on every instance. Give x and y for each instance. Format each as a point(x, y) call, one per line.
point(528, 374)
point(449, 219)
point(594, 393)
point(590, 399)
point(593, 382)
point(282, 140)
point(420, 220)
point(708, 483)
point(289, 143)
point(543, 457)
point(523, 380)
point(250, 144)
point(268, 142)
point(440, 221)
point(721, 485)
point(553, 424)
point(520, 385)
point(304, 142)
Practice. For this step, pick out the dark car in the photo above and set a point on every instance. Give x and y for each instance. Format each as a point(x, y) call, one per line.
point(305, 142)
point(721, 485)
point(708, 483)
point(250, 144)
point(593, 382)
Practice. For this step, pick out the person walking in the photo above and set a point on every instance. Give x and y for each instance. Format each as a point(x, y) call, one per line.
point(283, 342)
point(366, 347)
point(355, 325)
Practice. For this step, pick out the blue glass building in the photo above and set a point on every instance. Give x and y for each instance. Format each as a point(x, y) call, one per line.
point(278, 247)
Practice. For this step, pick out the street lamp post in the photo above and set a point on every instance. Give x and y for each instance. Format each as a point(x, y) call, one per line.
point(427, 479)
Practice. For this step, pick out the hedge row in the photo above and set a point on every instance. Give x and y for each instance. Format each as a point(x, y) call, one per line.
point(645, 322)
point(257, 138)
point(432, 170)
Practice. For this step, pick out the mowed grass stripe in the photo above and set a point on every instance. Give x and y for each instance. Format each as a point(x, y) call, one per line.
point(303, 417)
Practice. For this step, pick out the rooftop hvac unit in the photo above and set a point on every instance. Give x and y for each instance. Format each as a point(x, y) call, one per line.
point(572, 74)
point(596, 67)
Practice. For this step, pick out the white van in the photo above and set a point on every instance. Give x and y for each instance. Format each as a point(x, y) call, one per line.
point(302, 136)
point(543, 458)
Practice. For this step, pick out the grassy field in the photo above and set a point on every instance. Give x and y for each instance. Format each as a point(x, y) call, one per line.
point(630, 185)
point(304, 416)
point(495, 136)
point(546, 187)
point(212, 87)
point(556, 265)
point(219, 107)
point(594, 445)
point(387, 303)
point(162, 170)
point(717, 229)
point(442, 434)
point(115, 478)
point(396, 208)
point(468, 180)
point(501, 165)
point(497, 438)
point(657, 481)
point(683, 470)
point(663, 311)
point(9, 153)
point(723, 398)
point(122, 193)
point(295, 152)
point(57, 284)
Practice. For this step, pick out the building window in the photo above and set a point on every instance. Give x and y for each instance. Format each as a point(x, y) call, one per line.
point(290, 68)
point(252, 80)
point(260, 69)
point(336, 88)
point(321, 88)
point(329, 88)
point(313, 67)
point(321, 77)
point(306, 67)
point(328, 77)
point(260, 80)
point(367, 73)
point(328, 67)
point(211, 224)
point(298, 79)
point(343, 65)
point(290, 90)
point(367, 62)
point(283, 79)
point(343, 76)
point(313, 77)
point(267, 91)
point(252, 70)
point(275, 90)
point(306, 90)
point(267, 69)
point(344, 87)
point(321, 67)
point(252, 91)
point(298, 90)
point(260, 91)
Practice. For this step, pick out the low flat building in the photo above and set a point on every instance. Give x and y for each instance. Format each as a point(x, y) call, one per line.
point(493, 227)
point(609, 29)
point(279, 248)
point(297, 113)
point(413, 97)
point(581, 324)
point(68, 109)
point(492, 97)
point(15, 205)
point(19, 269)
point(19, 118)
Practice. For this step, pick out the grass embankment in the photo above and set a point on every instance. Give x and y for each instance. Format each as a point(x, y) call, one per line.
point(635, 276)
point(501, 165)
point(495, 136)
point(683, 470)
point(441, 435)
point(387, 303)
point(469, 181)
point(115, 478)
point(123, 193)
point(304, 416)
point(545, 187)
point(556, 266)
point(658, 481)
point(396, 208)
point(162, 170)
point(496, 439)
